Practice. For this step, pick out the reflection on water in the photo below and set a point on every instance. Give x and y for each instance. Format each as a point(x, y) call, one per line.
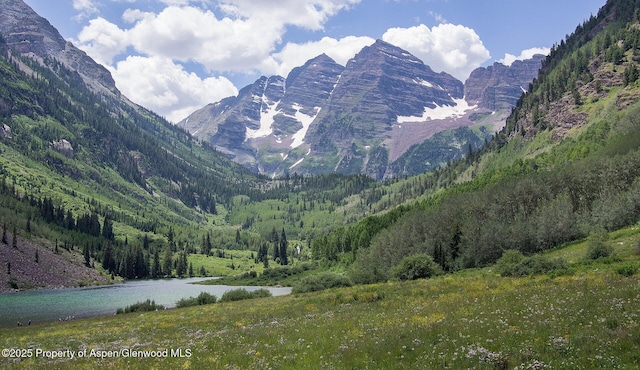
point(48, 305)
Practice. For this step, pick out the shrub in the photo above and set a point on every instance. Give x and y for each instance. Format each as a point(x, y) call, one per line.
point(242, 294)
point(363, 276)
point(598, 247)
point(202, 299)
point(420, 266)
point(509, 262)
point(513, 263)
point(13, 283)
point(249, 274)
point(627, 270)
point(145, 306)
point(368, 297)
point(322, 281)
point(261, 293)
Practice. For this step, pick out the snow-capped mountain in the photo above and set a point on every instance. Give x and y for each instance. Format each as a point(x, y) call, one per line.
point(356, 119)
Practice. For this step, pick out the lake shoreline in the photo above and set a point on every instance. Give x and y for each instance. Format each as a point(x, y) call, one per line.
point(51, 305)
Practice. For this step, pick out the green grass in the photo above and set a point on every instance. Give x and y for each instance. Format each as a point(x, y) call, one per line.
point(472, 319)
point(240, 260)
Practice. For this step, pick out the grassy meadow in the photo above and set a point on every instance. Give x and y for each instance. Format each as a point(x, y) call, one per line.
point(586, 318)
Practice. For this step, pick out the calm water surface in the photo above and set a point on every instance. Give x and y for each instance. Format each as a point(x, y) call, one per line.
point(48, 305)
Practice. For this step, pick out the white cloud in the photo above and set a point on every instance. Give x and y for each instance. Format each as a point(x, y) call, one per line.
point(102, 40)
point(293, 55)
point(166, 88)
point(85, 7)
point(239, 37)
point(455, 49)
point(525, 54)
point(192, 34)
point(308, 14)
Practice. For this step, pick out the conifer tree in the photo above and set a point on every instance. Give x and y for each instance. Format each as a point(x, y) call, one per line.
point(167, 261)
point(181, 264)
point(156, 272)
point(284, 244)
point(14, 242)
point(4, 233)
point(107, 257)
point(107, 228)
point(87, 256)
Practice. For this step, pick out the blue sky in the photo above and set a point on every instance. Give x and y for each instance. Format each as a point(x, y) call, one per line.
point(175, 56)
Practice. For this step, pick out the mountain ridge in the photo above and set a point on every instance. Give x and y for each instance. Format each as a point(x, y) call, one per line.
point(359, 118)
point(30, 34)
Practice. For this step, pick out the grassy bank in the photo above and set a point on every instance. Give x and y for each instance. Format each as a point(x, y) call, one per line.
point(473, 319)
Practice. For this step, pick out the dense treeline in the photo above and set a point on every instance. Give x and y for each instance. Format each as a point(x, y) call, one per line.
point(584, 183)
point(529, 214)
point(567, 67)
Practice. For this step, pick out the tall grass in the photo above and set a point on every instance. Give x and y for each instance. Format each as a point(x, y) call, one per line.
point(471, 319)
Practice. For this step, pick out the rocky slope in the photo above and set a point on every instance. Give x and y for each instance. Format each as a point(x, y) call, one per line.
point(29, 34)
point(361, 118)
point(499, 86)
point(19, 269)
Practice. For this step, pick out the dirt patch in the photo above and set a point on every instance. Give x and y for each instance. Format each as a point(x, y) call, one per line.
point(20, 271)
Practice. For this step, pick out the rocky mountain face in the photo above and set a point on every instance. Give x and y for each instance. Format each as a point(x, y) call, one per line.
point(499, 86)
point(29, 34)
point(361, 118)
point(269, 119)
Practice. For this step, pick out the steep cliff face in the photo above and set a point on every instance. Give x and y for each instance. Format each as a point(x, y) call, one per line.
point(329, 118)
point(379, 85)
point(28, 33)
point(360, 118)
point(266, 125)
point(499, 86)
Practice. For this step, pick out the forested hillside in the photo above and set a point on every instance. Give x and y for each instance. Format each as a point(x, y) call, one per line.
point(565, 166)
point(131, 195)
point(104, 179)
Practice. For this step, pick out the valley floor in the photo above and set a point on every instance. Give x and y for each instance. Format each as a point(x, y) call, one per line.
point(588, 318)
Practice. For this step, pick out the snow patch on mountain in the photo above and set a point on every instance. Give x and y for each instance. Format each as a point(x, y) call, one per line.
point(300, 160)
point(305, 120)
point(297, 163)
point(440, 112)
point(266, 122)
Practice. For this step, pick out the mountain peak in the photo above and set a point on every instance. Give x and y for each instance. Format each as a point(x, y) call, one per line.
point(30, 34)
point(499, 86)
point(329, 118)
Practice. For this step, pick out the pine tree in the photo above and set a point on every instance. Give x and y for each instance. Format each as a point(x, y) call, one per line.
point(156, 272)
point(181, 264)
point(107, 228)
point(206, 245)
point(4, 233)
point(190, 269)
point(87, 256)
point(14, 242)
point(631, 74)
point(284, 244)
point(167, 261)
point(171, 239)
